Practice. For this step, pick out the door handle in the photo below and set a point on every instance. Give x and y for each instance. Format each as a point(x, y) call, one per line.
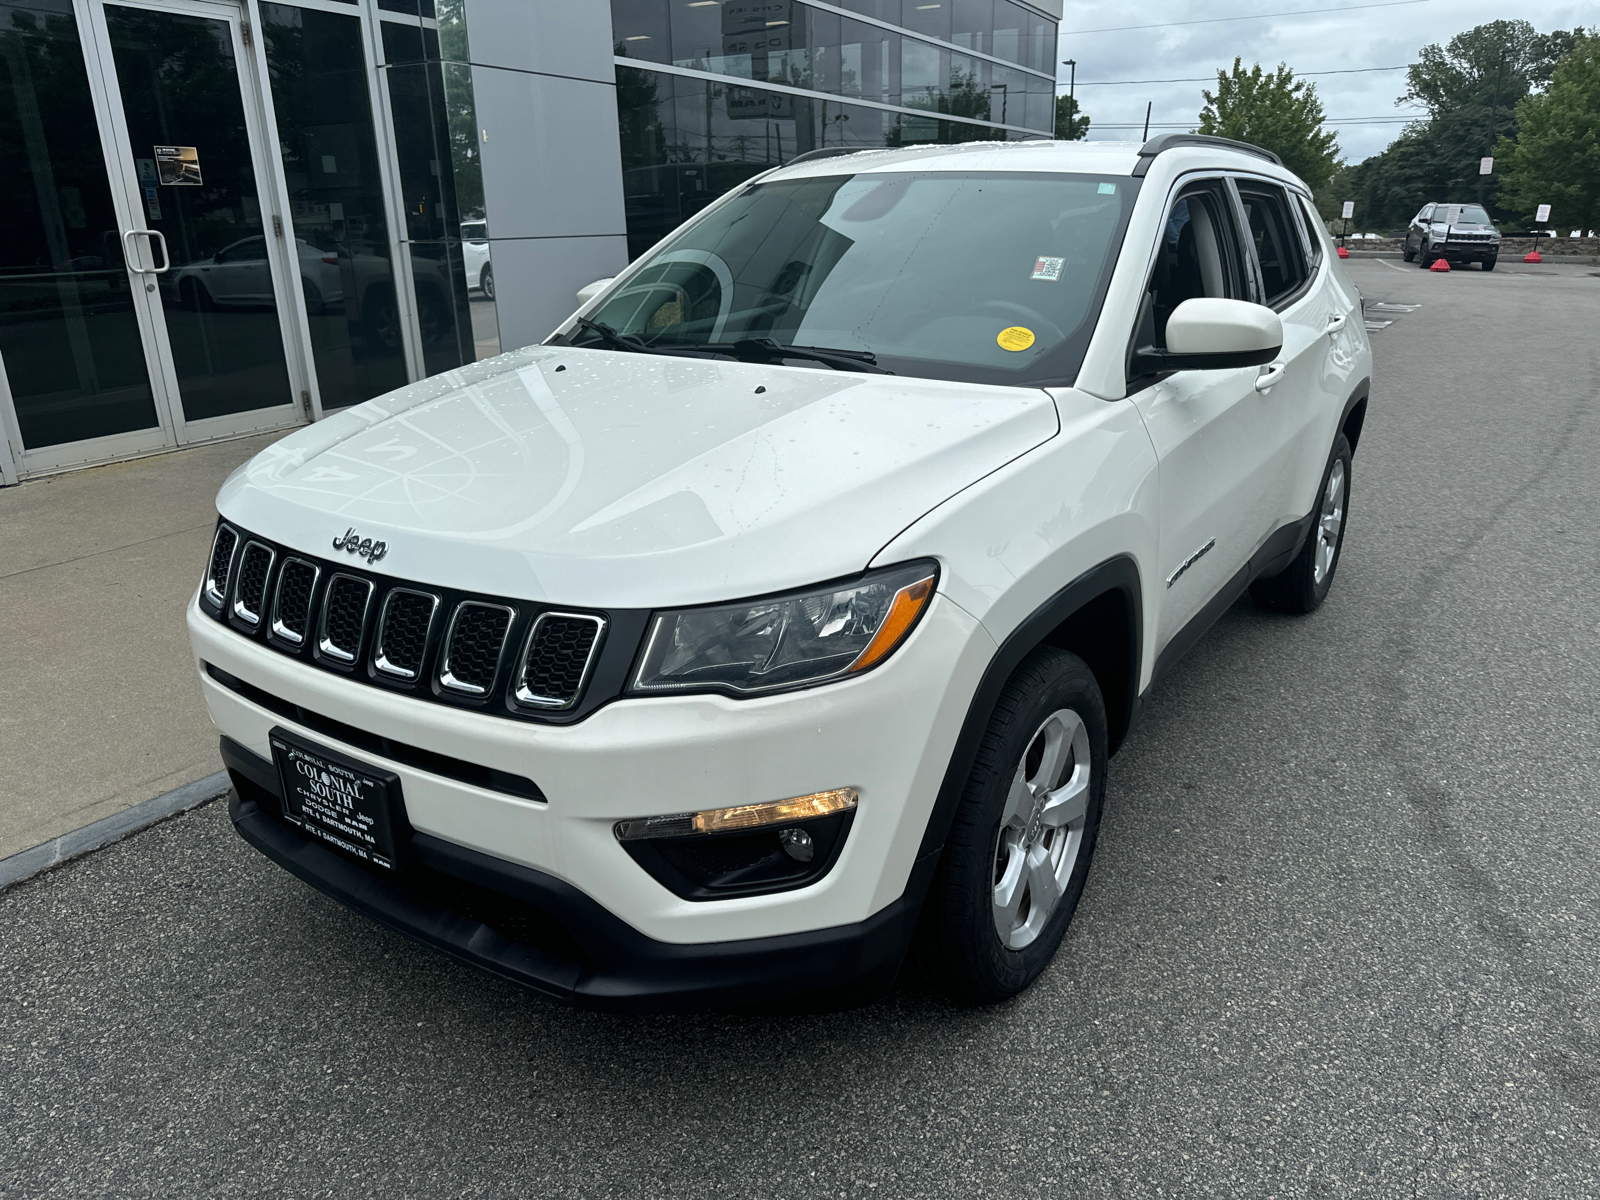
point(1271, 376)
point(127, 251)
point(1336, 322)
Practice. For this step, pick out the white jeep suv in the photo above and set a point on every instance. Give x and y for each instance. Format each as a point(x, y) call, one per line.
point(789, 600)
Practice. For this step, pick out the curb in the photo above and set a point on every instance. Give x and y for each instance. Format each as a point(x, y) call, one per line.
point(27, 863)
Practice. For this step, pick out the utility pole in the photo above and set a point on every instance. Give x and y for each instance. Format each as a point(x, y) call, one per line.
point(1494, 112)
point(1072, 99)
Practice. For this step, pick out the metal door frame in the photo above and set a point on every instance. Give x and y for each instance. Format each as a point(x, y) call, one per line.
point(269, 185)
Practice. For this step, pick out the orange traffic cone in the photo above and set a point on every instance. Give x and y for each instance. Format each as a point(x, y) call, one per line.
point(1343, 253)
point(1440, 264)
point(1532, 257)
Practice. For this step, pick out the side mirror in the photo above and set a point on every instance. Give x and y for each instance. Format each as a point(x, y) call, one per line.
point(590, 291)
point(1214, 335)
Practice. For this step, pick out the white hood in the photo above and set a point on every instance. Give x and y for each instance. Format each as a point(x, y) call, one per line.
point(602, 479)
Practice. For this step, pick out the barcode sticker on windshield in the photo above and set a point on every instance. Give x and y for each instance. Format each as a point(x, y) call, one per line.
point(1048, 268)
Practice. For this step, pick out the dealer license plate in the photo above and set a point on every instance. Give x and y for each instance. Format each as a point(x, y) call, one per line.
point(340, 801)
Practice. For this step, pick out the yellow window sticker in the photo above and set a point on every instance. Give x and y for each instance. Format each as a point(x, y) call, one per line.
point(1015, 338)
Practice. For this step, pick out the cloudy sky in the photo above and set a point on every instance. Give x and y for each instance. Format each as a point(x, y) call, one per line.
point(1361, 107)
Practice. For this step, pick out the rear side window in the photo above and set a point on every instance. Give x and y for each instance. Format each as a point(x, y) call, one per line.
point(1311, 233)
point(1277, 242)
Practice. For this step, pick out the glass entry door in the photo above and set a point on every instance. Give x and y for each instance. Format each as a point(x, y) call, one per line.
point(149, 289)
point(202, 245)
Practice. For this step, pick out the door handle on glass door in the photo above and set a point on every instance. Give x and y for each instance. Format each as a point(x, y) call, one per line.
point(1270, 376)
point(127, 251)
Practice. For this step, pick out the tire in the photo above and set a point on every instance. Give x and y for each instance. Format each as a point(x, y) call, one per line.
point(1407, 252)
point(314, 304)
point(1030, 815)
point(486, 281)
point(1426, 257)
point(1303, 585)
point(194, 295)
point(1489, 263)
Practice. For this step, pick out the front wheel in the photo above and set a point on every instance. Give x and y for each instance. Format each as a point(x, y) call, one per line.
point(1489, 263)
point(486, 282)
point(1019, 849)
point(1303, 585)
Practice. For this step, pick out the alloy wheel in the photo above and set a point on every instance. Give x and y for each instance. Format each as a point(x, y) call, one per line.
point(1041, 828)
point(1329, 522)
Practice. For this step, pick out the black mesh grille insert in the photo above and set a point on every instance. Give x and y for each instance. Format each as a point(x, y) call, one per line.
point(476, 640)
point(346, 613)
point(221, 556)
point(404, 636)
point(251, 596)
point(294, 600)
point(554, 669)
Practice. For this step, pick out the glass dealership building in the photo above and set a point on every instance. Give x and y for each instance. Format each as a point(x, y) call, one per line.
point(231, 216)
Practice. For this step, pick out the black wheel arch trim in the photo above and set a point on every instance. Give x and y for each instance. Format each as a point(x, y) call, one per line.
point(1357, 399)
point(1116, 577)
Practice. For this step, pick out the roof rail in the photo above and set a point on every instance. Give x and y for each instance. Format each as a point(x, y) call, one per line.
point(825, 152)
point(1171, 141)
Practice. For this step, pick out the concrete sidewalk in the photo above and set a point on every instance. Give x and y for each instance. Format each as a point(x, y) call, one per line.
point(99, 708)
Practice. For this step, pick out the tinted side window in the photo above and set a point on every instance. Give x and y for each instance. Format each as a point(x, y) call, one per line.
point(1199, 255)
point(1312, 230)
point(1278, 251)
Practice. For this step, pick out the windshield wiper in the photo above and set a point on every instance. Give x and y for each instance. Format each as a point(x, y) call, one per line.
point(768, 350)
point(617, 341)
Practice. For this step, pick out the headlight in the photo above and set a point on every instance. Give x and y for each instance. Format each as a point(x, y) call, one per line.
point(788, 641)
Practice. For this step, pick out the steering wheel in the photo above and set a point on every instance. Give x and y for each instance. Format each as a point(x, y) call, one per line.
point(1035, 320)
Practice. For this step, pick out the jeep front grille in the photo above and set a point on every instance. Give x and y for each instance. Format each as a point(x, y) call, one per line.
point(556, 665)
point(506, 657)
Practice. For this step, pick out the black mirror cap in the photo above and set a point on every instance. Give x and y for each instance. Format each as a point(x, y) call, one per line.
point(1147, 360)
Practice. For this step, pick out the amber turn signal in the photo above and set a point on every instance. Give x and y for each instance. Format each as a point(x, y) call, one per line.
point(904, 610)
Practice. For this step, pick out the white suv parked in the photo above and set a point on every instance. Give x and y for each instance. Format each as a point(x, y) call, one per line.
point(790, 599)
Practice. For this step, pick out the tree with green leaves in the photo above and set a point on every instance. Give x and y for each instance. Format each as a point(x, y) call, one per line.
point(1071, 124)
point(1556, 157)
point(1277, 112)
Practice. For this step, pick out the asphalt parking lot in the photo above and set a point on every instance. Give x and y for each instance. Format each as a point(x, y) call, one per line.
point(1340, 938)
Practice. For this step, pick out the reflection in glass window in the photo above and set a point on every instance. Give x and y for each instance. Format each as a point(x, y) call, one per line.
point(330, 158)
point(687, 141)
point(67, 326)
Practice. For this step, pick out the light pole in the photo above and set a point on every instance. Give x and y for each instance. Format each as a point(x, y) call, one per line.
point(1072, 100)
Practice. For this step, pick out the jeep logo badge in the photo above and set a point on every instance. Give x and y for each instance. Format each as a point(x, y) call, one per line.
point(362, 547)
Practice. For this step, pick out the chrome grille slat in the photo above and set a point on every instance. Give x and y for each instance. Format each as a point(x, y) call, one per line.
point(403, 628)
point(250, 592)
point(555, 665)
point(291, 606)
point(473, 647)
point(220, 567)
point(344, 618)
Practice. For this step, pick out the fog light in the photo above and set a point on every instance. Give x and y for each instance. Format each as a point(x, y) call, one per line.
point(797, 844)
point(744, 817)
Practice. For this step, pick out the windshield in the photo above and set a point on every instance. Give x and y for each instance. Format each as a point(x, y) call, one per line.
point(983, 278)
point(1461, 214)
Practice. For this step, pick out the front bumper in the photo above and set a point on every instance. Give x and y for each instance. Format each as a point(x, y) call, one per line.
point(532, 929)
point(888, 734)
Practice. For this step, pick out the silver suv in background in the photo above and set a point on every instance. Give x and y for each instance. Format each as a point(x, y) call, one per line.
point(1459, 233)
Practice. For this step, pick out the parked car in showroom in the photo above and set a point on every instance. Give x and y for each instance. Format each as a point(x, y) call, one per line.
point(784, 608)
point(1459, 233)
